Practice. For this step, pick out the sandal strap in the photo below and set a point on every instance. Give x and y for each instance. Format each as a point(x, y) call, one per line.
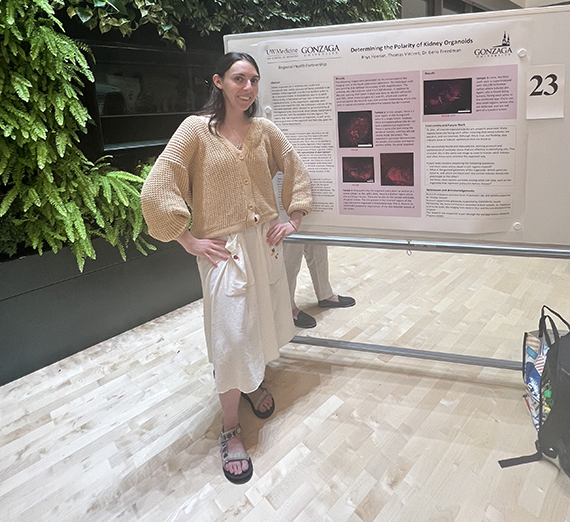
point(264, 394)
point(225, 436)
point(230, 434)
point(232, 457)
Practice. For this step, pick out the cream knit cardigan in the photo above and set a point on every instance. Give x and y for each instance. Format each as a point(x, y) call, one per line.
point(228, 190)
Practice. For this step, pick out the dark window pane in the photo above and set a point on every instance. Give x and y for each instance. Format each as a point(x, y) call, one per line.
point(453, 7)
point(132, 89)
point(144, 94)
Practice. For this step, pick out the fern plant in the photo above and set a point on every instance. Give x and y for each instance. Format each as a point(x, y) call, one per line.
point(50, 194)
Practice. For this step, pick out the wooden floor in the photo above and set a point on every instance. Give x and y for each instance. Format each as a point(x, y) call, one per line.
point(127, 430)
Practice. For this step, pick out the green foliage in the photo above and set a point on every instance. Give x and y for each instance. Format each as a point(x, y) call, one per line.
point(50, 194)
point(11, 234)
point(235, 16)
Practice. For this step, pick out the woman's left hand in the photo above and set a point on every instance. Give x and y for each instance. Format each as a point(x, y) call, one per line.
point(277, 233)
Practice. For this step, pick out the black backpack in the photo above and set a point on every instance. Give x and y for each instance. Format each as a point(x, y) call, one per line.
point(546, 373)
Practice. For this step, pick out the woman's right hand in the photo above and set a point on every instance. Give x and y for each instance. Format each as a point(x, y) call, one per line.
point(211, 249)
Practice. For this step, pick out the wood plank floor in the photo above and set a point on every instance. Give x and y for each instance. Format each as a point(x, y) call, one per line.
point(127, 430)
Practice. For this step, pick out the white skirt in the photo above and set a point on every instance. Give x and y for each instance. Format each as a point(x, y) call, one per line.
point(247, 309)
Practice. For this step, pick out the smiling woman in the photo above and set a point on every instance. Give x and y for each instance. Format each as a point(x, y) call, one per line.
point(239, 87)
point(221, 165)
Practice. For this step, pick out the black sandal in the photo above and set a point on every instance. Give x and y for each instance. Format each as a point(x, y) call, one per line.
point(242, 478)
point(255, 406)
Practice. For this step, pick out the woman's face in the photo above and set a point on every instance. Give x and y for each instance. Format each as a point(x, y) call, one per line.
point(239, 85)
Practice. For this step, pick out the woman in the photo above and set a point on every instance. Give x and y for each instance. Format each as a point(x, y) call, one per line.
point(221, 165)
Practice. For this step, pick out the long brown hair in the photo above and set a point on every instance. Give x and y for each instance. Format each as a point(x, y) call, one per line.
point(215, 106)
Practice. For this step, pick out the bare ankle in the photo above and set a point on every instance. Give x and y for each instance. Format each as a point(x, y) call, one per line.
point(229, 424)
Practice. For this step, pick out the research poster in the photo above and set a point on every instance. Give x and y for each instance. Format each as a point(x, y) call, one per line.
point(417, 129)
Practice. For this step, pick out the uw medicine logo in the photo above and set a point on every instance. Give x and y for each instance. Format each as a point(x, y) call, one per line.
point(282, 52)
point(504, 48)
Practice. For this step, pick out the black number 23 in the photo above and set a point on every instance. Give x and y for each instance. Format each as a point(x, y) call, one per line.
point(552, 85)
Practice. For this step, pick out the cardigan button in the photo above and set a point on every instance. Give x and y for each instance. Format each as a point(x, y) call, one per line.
point(246, 181)
point(250, 206)
point(240, 156)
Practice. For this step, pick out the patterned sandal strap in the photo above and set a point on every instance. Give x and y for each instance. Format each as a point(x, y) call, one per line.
point(230, 434)
point(225, 436)
point(232, 457)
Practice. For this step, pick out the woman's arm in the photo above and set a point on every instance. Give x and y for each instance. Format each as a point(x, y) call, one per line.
point(279, 232)
point(296, 188)
point(167, 190)
point(211, 249)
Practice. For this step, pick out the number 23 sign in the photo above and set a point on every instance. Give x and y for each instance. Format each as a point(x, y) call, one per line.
point(545, 92)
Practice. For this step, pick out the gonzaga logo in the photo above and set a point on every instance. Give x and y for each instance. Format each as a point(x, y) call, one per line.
point(320, 50)
point(498, 50)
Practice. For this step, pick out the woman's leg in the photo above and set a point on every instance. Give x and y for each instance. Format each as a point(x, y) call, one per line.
point(318, 264)
point(230, 404)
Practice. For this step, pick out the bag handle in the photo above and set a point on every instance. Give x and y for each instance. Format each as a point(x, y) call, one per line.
point(556, 314)
point(543, 331)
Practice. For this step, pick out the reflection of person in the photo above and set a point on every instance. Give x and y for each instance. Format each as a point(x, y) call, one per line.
point(145, 103)
point(221, 164)
point(317, 260)
point(114, 104)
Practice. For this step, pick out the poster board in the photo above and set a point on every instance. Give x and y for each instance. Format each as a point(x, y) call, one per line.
point(448, 129)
